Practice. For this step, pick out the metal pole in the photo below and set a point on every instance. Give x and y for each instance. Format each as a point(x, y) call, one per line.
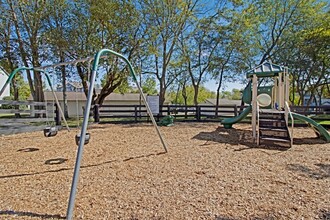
point(57, 102)
point(80, 148)
point(89, 59)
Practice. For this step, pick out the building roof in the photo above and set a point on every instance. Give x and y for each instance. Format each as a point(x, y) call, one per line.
point(223, 102)
point(77, 85)
point(3, 71)
point(80, 96)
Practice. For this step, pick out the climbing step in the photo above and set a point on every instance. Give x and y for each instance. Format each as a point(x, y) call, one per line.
point(274, 139)
point(272, 127)
point(278, 129)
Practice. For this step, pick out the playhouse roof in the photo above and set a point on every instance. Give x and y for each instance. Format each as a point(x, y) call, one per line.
point(266, 69)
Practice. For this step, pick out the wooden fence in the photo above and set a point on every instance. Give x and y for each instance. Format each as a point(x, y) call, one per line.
point(317, 110)
point(202, 113)
point(24, 116)
point(102, 113)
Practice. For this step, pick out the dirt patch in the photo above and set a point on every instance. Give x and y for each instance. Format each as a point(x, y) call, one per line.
point(208, 173)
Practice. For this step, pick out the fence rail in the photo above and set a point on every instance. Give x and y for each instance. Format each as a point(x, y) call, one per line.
point(28, 116)
point(314, 110)
point(102, 113)
point(25, 116)
point(181, 113)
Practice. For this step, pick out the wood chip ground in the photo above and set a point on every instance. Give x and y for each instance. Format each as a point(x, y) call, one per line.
point(208, 173)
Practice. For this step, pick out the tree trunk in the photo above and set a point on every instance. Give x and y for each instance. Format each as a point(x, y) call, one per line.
point(185, 98)
point(21, 48)
point(218, 91)
point(65, 100)
point(196, 87)
point(11, 67)
point(162, 91)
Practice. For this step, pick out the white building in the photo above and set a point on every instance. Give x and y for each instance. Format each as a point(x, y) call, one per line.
point(3, 79)
point(76, 101)
point(315, 101)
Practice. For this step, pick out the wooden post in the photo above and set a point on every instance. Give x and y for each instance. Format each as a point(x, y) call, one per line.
point(235, 110)
point(254, 105)
point(57, 115)
point(287, 84)
point(96, 113)
point(198, 113)
point(135, 113)
point(280, 91)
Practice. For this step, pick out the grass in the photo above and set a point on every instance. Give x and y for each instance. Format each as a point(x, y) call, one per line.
point(12, 115)
point(73, 122)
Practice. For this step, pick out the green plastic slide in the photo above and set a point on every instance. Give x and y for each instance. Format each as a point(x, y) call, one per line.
point(228, 122)
point(323, 132)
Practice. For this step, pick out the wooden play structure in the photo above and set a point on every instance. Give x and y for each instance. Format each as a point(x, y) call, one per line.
point(272, 120)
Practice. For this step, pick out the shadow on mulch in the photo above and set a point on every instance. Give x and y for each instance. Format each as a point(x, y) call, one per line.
point(57, 170)
point(267, 217)
point(324, 215)
point(308, 140)
point(143, 156)
point(58, 161)
point(321, 172)
point(236, 137)
point(29, 149)
point(229, 136)
point(30, 214)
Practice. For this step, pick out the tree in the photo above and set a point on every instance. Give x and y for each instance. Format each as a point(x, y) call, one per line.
point(163, 22)
point(198, 49)
point(149, 86)
point(236, 94)
point(27, 23)
point(203, 95)
point(103, 24)
point(57, 35)
point(235, 51)
point(306, 51)
point(274, 20)
point(9, 60)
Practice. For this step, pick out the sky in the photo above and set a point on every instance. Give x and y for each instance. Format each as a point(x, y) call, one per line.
point(226, 86)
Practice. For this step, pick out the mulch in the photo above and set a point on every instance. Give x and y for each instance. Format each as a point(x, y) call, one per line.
point(208, 173)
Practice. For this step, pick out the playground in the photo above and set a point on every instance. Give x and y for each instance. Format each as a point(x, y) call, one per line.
point(209, 172)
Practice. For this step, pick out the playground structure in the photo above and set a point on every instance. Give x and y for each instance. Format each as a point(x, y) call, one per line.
point(272, 119)
point(84, 135)
point(264, 102)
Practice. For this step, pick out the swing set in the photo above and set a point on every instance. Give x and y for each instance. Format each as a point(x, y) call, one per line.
point(84, 135)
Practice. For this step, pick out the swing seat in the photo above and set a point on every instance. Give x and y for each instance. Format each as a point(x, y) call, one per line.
point(87, 137)
point(50, 131)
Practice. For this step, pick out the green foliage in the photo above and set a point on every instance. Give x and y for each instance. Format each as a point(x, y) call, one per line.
point(177, 98)
point(23, 88)
point(236, 94)
point(5, 106)
point(170, 40)
point(149, 86)
point(124, 87)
